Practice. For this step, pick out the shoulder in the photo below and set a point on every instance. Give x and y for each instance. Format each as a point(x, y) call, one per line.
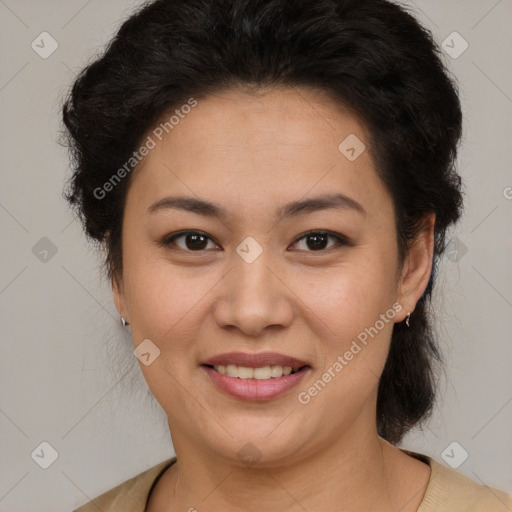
point(131, 495)
point(451, 491)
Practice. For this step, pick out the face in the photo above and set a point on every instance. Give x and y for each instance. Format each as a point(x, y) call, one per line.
point(294, 256)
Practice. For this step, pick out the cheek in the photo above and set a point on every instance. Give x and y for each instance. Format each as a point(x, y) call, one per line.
point(353, 317)
point(351, 296)
point(170, 305)
point(161, 298)
point(165, 304)
point(352, 311)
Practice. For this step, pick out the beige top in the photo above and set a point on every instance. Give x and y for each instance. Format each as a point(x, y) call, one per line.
point(447, 491)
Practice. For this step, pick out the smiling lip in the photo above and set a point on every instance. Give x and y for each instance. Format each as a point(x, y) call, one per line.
point(255, 360)
point(254, 389)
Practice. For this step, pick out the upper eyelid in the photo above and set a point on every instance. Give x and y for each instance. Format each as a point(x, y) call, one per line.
point(321, 232)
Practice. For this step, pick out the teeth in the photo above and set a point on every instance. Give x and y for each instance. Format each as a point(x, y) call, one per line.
point(262, 373)
point(245, 373)
point(232, 370)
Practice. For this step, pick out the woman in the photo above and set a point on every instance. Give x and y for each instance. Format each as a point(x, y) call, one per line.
point(272, 182)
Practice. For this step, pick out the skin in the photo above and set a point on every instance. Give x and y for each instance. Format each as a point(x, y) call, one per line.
point(252, 154)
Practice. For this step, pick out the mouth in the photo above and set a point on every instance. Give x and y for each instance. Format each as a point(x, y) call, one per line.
point(255, 377)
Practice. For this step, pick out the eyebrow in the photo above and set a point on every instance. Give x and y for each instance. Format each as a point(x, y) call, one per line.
point(337, 201)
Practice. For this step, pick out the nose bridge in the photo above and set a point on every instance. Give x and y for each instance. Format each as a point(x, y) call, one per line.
point(254, 298)
point(253, 275)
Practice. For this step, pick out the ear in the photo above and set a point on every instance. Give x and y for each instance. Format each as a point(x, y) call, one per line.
point(417, 268)
point(118, 296)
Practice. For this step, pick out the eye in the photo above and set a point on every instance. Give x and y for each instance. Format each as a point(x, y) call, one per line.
point(193, 241)
point(197, 241)
point(316, 240)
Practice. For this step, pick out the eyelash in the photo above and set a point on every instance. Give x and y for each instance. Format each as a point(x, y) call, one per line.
point(341, 240)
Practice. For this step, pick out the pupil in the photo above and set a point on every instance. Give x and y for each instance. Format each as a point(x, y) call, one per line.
point(195, 238)
point(317, 244)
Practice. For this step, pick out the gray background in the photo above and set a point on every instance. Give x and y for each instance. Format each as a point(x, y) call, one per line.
point(68, 375)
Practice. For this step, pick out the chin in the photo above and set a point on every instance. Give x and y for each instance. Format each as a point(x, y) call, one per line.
point(261, 442)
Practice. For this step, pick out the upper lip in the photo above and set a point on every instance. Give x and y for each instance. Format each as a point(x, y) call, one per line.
point(256, 360)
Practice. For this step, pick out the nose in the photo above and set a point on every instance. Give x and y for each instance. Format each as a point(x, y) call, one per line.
point(254, 297)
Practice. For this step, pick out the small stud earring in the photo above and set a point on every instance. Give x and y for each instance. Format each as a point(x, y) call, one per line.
point(407, 319)
point(124, 323)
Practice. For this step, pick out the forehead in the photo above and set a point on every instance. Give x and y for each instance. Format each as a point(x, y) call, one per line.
point(259, 149)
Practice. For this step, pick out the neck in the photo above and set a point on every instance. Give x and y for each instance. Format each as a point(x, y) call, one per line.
point(360, 472)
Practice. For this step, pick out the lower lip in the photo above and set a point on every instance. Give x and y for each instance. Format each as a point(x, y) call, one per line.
point(255, 389)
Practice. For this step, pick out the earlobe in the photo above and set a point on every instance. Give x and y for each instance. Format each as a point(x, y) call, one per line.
point(418, 267)
point(118, 296)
